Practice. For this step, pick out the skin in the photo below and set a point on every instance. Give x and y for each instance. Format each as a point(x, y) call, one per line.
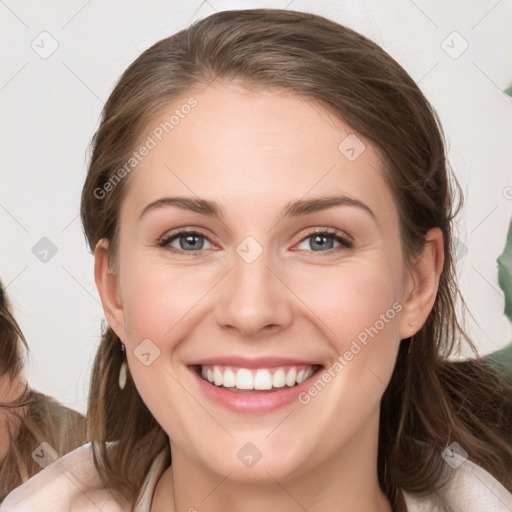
point(254, 152)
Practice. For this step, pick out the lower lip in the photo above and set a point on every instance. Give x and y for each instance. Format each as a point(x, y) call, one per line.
point(252, 403)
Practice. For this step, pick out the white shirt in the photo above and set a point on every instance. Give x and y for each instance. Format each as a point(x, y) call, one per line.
point(72, 484)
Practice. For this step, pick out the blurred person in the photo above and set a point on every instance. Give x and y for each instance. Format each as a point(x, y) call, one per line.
point(28, 418)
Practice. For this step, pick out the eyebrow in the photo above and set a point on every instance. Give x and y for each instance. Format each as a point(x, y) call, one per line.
point(292, 209)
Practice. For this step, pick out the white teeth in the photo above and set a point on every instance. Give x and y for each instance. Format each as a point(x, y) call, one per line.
point(217, 377)
point(261, 379)
point(279, 379)
point(290, 377)
point(229, 379)
point(244, 379)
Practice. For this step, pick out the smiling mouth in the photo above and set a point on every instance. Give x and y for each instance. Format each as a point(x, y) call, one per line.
point(256, 380)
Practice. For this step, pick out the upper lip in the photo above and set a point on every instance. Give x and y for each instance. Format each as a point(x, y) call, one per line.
point(252, 362)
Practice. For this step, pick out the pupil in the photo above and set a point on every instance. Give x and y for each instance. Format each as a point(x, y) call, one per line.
point(320, 240)
point(192, 240)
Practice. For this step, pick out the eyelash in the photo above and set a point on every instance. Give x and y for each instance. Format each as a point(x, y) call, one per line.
point(345, 242)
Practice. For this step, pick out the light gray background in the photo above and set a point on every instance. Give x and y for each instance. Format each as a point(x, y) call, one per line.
point(51, 108)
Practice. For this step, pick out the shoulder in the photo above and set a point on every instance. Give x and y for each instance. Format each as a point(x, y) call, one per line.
point(70, 483)
point(470, 488)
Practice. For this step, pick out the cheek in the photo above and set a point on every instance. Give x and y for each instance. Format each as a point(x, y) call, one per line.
point(368, 310)
point(159, 304)
point(352, 299)
point(157, 297)
point(359, 307)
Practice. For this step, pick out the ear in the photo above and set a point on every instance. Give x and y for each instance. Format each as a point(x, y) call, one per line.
point(107, 285)
point(422, 284)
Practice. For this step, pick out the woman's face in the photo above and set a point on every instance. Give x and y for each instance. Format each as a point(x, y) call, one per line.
point(294, 266)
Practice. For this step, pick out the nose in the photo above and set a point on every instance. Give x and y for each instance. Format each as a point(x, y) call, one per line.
point(254, 299)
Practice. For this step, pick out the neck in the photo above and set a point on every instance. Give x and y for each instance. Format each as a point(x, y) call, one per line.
point(345, 481)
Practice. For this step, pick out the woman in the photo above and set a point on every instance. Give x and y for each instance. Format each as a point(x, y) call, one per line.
point(270, 213)
point(35, 429)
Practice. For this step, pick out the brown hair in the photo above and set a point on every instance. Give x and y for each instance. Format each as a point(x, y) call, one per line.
point(32, 418)
point(429, 402)
point(13, 342)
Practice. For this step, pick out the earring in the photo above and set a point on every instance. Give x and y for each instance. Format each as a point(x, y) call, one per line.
point(411, 340)
point(122, 371)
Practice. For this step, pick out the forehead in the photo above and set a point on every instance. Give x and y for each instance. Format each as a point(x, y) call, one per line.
point(255, 150)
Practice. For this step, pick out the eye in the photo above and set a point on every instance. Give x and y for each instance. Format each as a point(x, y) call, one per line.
point(323, 241)
point(188, 242)
point(191, 242)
